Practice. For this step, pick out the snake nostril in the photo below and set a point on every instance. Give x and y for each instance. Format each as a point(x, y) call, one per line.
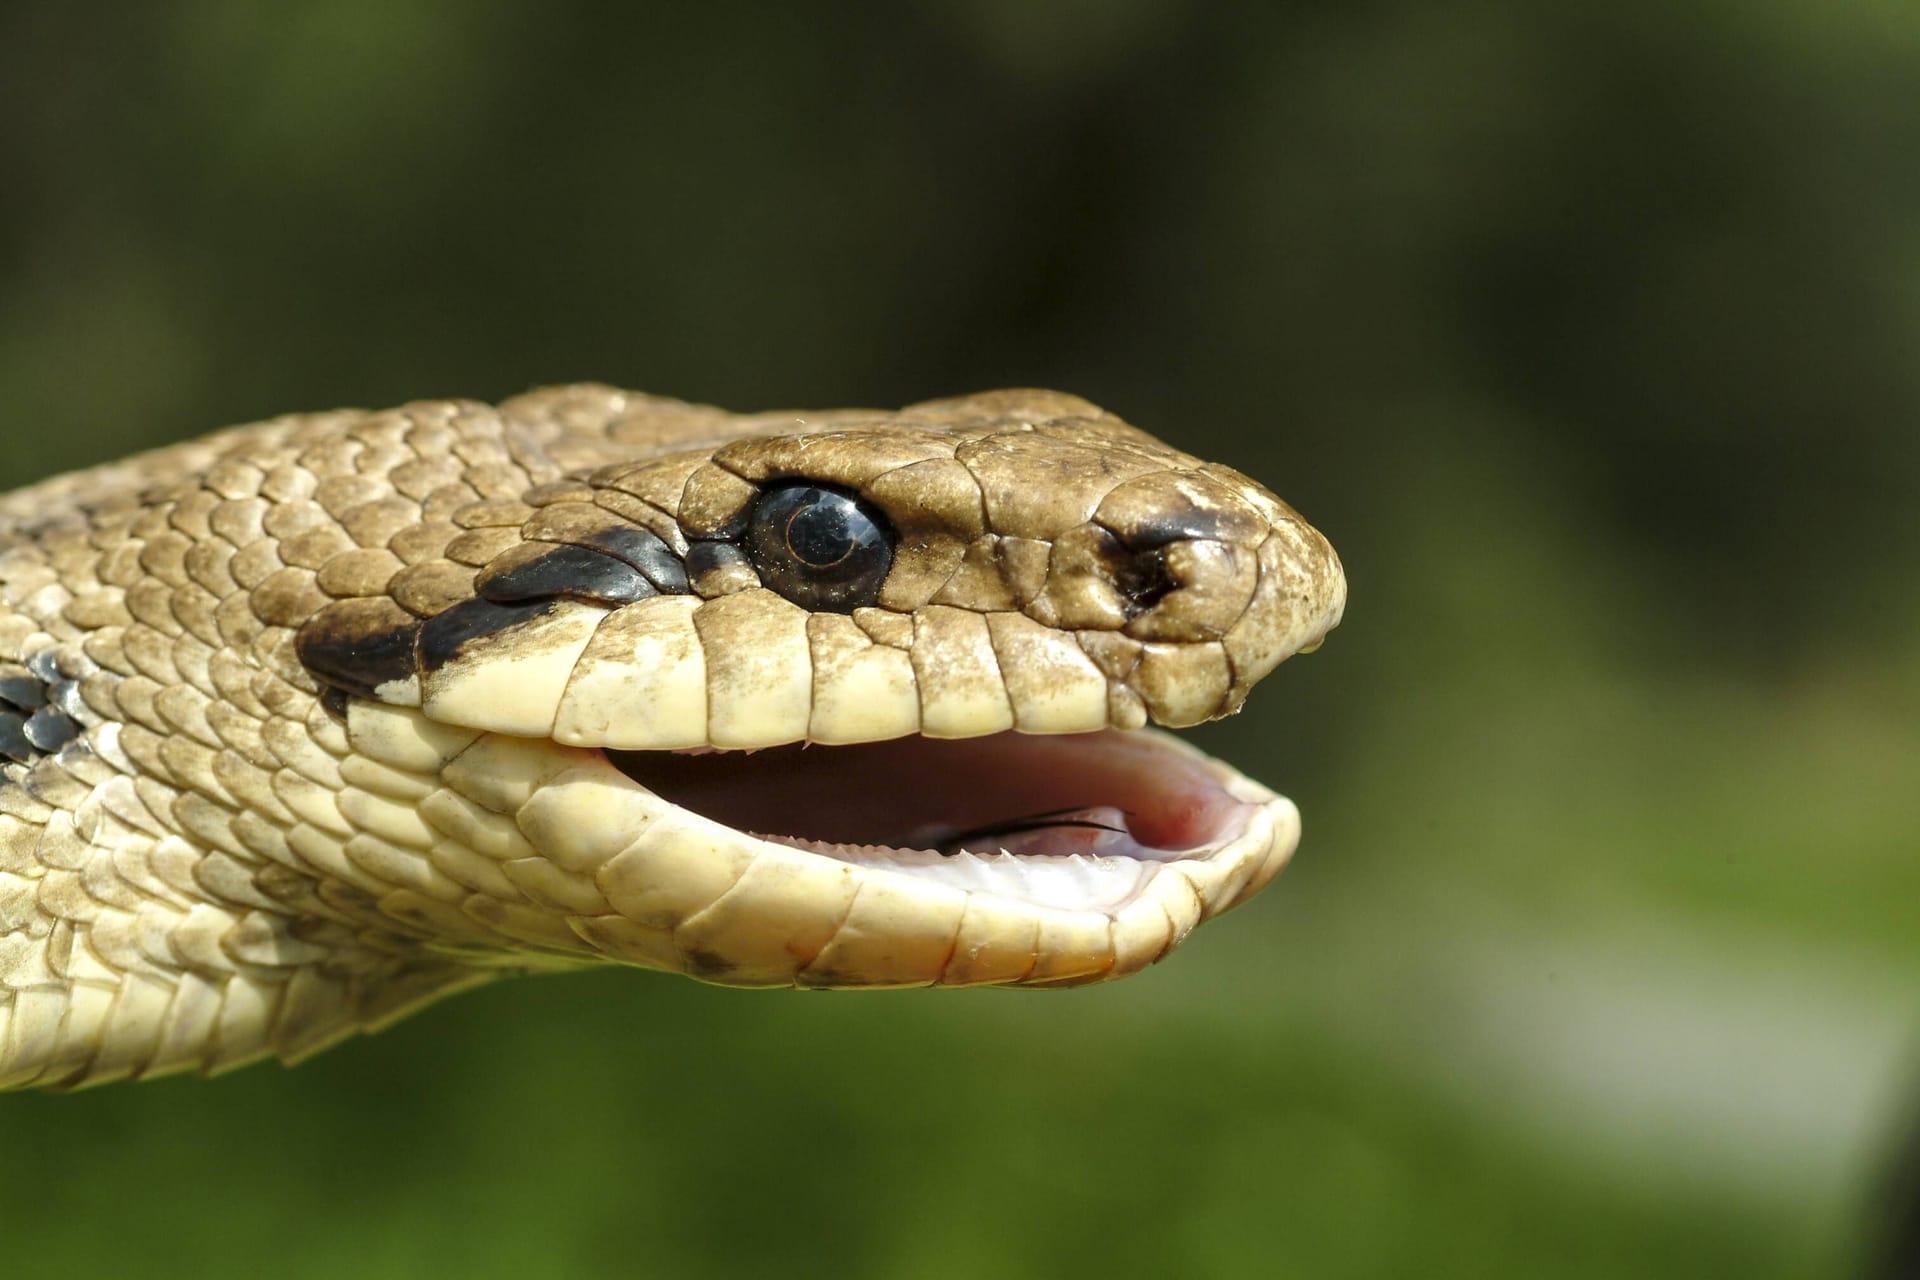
point(1143, 578)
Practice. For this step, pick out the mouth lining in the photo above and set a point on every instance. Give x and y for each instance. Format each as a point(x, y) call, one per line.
point(1074, 822)
point(1111, 794)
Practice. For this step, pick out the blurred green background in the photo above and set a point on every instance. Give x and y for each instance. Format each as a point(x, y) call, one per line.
point(1589, 334)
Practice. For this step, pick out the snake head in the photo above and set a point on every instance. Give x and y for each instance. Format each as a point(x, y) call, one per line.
point(844, 699)
point(308, 722)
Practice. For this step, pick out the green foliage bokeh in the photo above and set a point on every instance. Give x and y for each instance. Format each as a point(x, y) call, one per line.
point(1588, 335)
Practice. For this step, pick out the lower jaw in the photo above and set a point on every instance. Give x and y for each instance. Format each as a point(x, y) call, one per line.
point(555, 852)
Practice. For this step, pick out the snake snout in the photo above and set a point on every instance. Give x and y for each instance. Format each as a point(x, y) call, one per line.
point(1206, 581)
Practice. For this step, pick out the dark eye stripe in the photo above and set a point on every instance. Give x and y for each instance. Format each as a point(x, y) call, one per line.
point(442, 636)
point(645, 552)
point(356, 646)
point(566, 572)
point(817, 546)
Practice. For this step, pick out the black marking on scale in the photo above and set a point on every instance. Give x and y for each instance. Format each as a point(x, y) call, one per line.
point(567, 573)
point(352, 647)
point(443, 636)
point(646, 552)
point(39, 709)
point(356, 646)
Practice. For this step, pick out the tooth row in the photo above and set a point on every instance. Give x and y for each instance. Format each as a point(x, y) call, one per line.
point(1071, 883)
point(753, 670)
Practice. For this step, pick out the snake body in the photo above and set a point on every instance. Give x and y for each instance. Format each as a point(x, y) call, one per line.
point(306, 723)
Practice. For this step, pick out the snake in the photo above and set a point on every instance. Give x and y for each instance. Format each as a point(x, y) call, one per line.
point(307, 723)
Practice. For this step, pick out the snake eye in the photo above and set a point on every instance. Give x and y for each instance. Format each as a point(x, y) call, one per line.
point(819, 547)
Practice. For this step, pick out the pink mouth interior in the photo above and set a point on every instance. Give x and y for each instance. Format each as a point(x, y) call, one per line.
point(922, 792)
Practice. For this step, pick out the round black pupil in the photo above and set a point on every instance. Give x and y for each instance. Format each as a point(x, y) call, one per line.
point(819, 533)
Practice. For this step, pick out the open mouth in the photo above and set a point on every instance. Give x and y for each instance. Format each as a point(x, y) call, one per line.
point(1073, 822)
